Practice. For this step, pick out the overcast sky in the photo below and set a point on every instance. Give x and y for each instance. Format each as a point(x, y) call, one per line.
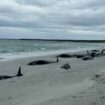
point(55, 19)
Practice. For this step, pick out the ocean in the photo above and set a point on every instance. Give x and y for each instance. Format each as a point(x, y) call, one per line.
point(11, 49)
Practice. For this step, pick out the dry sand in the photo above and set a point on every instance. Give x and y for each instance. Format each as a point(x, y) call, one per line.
point(51, 85)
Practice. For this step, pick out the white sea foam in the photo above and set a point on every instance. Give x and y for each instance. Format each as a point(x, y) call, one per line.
point(11, 56)
point(13, 49)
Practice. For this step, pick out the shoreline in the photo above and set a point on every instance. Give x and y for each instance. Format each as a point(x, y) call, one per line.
point(22, 55)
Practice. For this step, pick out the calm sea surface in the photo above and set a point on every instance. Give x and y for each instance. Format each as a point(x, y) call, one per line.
point(22, 48)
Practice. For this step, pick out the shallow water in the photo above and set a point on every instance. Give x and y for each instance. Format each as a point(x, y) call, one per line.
point(21, 48)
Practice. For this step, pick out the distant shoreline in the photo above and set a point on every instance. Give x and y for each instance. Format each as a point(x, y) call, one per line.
point(60, 40)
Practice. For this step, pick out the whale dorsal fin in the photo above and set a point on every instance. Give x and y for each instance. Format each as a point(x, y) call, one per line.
point(19, 72)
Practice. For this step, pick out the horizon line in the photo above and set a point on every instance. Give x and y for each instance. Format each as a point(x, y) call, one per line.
point(71, 40)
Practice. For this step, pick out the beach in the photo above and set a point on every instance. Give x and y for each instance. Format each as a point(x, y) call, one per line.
point(50, 84)
point(52, 52)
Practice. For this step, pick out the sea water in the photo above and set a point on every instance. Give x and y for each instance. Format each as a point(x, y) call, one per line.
point(11, 49)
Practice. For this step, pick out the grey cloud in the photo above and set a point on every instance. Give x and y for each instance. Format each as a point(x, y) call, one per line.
point(45, 16)
point(38, 2)
point(97, 3)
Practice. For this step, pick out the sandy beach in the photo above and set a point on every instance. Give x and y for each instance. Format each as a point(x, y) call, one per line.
point(51, 85)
